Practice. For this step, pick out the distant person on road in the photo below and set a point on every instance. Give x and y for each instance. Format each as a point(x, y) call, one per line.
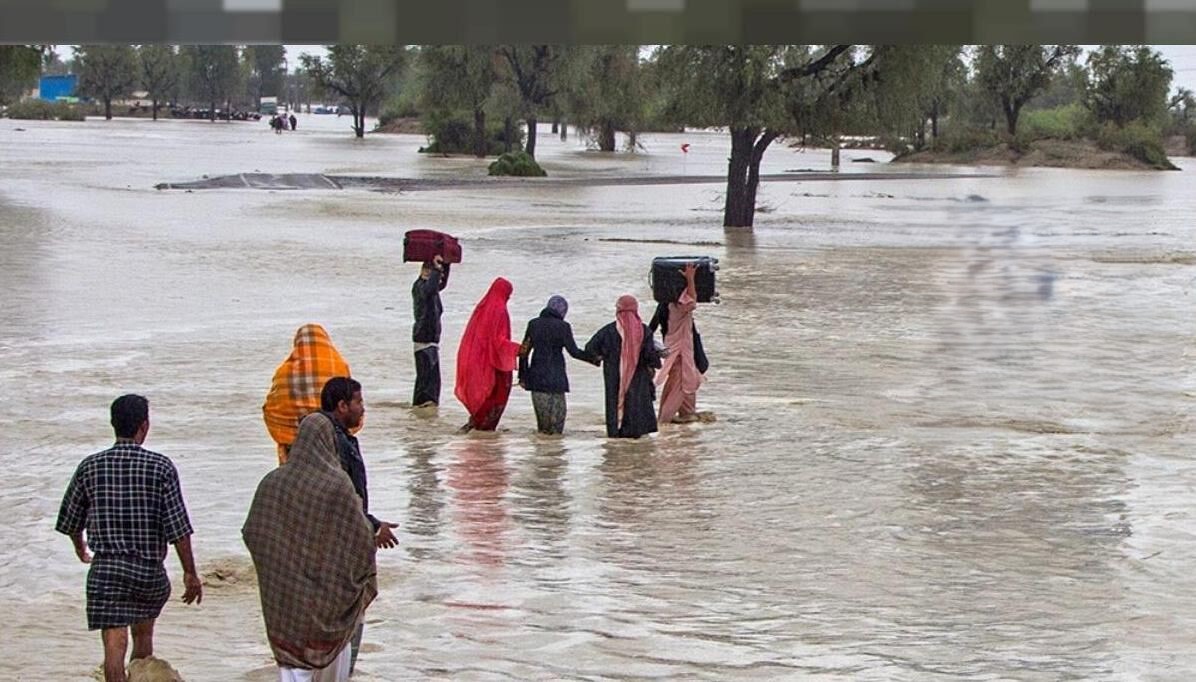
point(486, 359)
point(294, 121)
point(342, 401)
point(628, 357)
point(128, 502)
point(425, 334)
point(680, 376)
point(314, 555)
point(295, 390)
point(542, 364)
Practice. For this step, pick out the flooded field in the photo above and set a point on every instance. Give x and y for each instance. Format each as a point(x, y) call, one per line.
point(954, 426)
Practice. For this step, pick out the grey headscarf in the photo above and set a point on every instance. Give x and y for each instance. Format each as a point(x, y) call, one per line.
point(558, 305)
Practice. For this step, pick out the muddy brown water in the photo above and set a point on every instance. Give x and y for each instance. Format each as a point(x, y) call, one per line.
point(954, 416)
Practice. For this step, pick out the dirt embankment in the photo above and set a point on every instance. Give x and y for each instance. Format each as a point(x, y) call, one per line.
point(1041, 153)
point(407, 125)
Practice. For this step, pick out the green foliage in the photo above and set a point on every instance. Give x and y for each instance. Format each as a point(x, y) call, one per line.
point(1061, 123)
point(41, 110)
point(106, 72)
point(453, 133)
point(605, 89)
point(266, 75)
point(519, 164)
point(1127, 83)
point(1067, 86)
point(965, 139)
point(1014, 74)
point(19, 65)
point(1141, 141)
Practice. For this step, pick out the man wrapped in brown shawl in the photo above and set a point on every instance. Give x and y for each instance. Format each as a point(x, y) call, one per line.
point(313, 550)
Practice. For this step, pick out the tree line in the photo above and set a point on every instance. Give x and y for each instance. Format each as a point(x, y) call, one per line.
point(486, 99)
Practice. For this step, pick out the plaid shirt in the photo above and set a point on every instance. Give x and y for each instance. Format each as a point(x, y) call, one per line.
point(128, 499)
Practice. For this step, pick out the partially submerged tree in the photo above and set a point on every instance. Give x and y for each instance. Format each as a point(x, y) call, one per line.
point(358, 74)
point(159, 73)
point(605, 91)
point(461, 77)
point(754, 92)
point(531, 70)
point(1128, 83)
point(1015, 74)
point(214, 73)
point(106, 72)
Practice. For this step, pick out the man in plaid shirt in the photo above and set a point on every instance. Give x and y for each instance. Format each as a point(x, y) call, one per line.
point(128, 501)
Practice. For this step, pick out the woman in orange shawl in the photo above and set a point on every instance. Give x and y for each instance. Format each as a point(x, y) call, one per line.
point(295, 390)
point(486, 358)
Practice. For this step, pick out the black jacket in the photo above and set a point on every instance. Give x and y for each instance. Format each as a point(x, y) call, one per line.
point(425, 299)
point(350, 455)
point(544, 371)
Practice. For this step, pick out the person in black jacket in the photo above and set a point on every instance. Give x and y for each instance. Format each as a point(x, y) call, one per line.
point(425, 298)
point(542, 364)
point(341, 400)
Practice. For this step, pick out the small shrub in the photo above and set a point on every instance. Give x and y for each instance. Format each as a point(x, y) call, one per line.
point(41, 110)
point(1137, 140)
point(518, 164)
point(966, 140)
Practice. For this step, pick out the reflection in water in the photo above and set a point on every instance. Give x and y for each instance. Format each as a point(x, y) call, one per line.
point(426, 504)
point(539, 499)
point(477, 475)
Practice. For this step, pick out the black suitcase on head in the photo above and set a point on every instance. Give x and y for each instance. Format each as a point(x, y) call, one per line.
point(668, 282)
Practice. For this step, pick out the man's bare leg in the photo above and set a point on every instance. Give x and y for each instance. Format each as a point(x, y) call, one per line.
point(116, 642)
point(143, 639)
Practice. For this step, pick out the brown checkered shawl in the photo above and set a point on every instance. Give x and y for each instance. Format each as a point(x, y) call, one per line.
point(313, 550)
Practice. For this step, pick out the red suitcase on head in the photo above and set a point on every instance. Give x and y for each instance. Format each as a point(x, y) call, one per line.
point(420, 246)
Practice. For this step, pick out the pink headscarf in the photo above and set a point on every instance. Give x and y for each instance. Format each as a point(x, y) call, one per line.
point(486, 347)
point(631, 331)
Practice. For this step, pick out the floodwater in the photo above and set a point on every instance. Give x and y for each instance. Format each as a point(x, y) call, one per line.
point(954, 417)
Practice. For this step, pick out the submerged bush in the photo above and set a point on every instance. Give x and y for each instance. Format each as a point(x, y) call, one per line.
point(452, 133)
point(517, 164)
point(1136, 139)
point(41, 110)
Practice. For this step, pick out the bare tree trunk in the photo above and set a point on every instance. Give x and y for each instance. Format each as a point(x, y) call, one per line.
point(835, 151)
point(508, 134)
point(556, 126)
point(155, 110)
point(606, 136)
point(212, 112)
point(108, 108)
point(564, 131)
point(530, 147)
point(737, 212)
point(479, 133)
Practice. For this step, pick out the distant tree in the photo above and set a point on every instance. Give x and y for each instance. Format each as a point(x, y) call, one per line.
point(358, 74)
point(759, 93)
point(1128, 83)
point(213, 74)
point(265, 77)
point(19, 67)
point(604, 91)
point(461, 77)
point(1182, 106)
point(532, 72)
point(106, 72)
point(1014, 74)
point(1067, 87)
point(159, 73)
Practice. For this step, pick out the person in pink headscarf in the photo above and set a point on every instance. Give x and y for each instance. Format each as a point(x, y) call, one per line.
point(680, 377)
point(486, 359)
point(628, 358)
